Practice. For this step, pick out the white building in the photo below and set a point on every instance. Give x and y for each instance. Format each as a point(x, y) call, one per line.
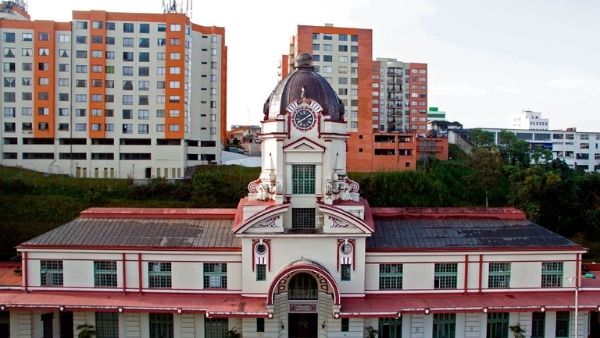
point(110, 94)
point(579, 150)
point(528, 119)
point(302, 256)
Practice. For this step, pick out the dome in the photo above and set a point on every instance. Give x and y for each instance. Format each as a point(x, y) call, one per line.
point(304, 82)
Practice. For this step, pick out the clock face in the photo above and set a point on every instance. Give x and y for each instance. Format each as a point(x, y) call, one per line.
point(304, 119)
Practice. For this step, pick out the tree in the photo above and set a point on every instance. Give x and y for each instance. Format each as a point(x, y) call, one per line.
point(518, 331)
point(513, 150)
point(482, 138)
point(87, 331)
point(486, 170)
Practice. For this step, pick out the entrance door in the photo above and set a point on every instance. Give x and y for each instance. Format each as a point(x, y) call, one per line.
point(66, 324)
point(303, 325)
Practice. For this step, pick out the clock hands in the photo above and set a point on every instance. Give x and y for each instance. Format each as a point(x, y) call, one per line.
point(302, 120)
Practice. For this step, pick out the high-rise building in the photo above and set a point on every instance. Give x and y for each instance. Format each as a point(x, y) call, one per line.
point(402, 96)
point(110, 94)
point(385, 100)
point(528, 119)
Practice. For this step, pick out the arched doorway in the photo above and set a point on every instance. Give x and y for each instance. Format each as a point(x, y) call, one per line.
point(303, 297)
point(303, 317)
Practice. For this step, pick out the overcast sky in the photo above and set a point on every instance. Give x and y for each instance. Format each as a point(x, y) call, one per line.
point(487, 59)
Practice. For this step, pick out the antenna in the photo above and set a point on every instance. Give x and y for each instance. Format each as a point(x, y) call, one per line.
point(172, 6)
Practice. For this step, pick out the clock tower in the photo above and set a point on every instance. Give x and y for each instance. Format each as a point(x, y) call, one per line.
point(303, 222)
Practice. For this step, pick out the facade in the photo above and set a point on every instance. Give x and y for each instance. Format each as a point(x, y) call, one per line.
point(579, 150)
point(528, 119)
point(110, 94)
point(245, 136)
point(434, 114)
point(303, 255)
point(385, 99)
point(402, 96)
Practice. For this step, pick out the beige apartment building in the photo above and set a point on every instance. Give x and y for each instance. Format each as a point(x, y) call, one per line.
point(110, 94)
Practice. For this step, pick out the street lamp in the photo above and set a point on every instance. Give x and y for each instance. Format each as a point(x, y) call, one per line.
point(574, 281)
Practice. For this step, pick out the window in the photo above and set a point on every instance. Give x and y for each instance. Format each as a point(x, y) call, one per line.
point(128, 27)
point(51, 273)
point(128, 56)
point(127, 71)
point(499, 275)
point(215, 275)
point(80, 126)
point(27, 37)
point(216, 327)
point(142, 129)
point(303, 179)
point(9, 52)
point(127, 42)
point(43, 36)
point(303, 218)
point(159, 274)
point(562, 324)
point(143, 114)
point(9, 97)
point(10, 112)
point(63, 67)
point(346, 270)
point(390, 276)
point(261, 272)
point(345, 325)
point(445, 275)
point(11, 67)
point(144, 85)
point(538, 322)
point(390, 328)
point(9, 37)
point(343, 48)
point(81, 69)
point(107, 325)
point(497, 325)
point(552, 274)
point(63, 111)
point(444, 325)
point(260, 325)
point(29, 52)
point(162, 27)
point(161, 325)
point(144, 57)
point(105, 273)
point(144, 28)
point(173, 127)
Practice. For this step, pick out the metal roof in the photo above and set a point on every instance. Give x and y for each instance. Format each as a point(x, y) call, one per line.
point(136, 232)
point(422, 233)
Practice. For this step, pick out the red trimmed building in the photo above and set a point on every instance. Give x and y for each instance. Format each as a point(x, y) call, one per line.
point(303, 255)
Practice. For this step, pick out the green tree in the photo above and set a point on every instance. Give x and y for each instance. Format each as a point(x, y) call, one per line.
point(486, 170)
point(513, 150)
point(482, 138)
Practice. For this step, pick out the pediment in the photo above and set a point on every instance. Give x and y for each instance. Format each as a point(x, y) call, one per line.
point(268, 220)
point(304, 144)
point(337, 220)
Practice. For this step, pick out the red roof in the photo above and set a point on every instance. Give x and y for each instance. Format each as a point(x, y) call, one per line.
point(437, 213)
point(162, 213)
point(10, 274)
point(392, 305)
point(214, 305)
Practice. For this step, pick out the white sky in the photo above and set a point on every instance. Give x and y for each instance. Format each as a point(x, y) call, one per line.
point(487, 59)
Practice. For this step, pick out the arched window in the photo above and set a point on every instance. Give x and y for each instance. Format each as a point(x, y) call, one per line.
point(303, 286)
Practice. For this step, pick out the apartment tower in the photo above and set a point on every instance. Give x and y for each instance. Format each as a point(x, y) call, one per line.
point(385, 100)
point(111, 94)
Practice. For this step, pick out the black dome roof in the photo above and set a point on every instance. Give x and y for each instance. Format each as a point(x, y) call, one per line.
point(304, 82)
